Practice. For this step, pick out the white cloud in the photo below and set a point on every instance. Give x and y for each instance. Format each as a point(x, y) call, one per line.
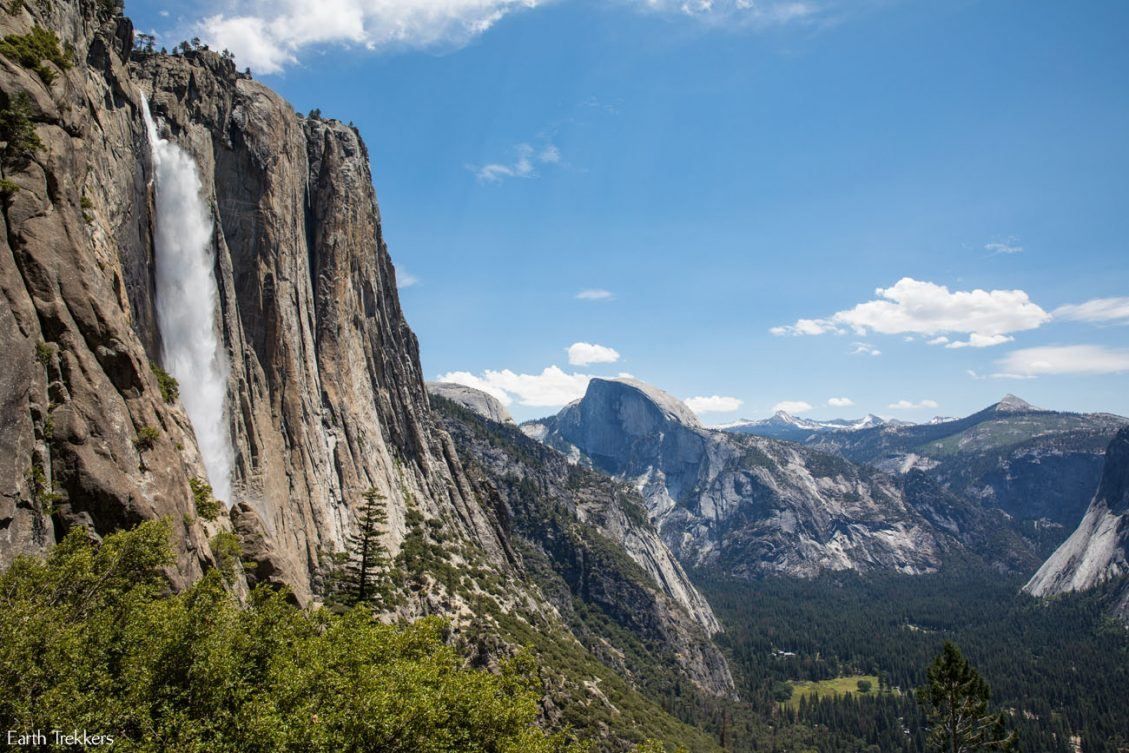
point(840, 402)
point(976, 340)
point(595, 294)
point(792, 406)
point(1003, 248)
point(924, 308)
point(713, 404)
point(551, 388)
point(1098, 310)
point(270, 36)
point(907, 405)
point(864, 349)
point(583, 354)
point(524, 165)
point(807, 327)
point(1064, 359)
point(745, 12)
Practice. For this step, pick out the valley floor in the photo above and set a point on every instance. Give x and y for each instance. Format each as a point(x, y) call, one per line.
point(1060, 668)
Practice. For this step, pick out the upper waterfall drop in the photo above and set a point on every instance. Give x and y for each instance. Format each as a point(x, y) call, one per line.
point(187, 302)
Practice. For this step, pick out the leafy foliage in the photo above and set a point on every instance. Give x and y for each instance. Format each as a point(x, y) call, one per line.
point(169, 386)
point(34, 50)
point(147, 437)
point(90, 638)
point(956, 699)
point(17, 130)
point(166, 382)
point(228, 551)
point(207, 506)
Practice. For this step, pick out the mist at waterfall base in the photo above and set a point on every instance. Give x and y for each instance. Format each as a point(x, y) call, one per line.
point(187, 302)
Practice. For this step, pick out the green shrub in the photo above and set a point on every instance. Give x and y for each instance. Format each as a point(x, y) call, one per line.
point(170, 388)
point(228, 552)
point(7, 188)
point(34, 50)
point(43, 495)
point(92, 634)
point(207, 506)
point(43, 353)
point(147, 436)
point(17, 130)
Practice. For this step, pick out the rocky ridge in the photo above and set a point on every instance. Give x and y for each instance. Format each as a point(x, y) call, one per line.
point(749, 504)
point(570, 528)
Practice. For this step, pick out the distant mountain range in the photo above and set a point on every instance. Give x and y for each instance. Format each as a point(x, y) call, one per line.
point(752, 504)
point(1038, 465)
point(783, 425)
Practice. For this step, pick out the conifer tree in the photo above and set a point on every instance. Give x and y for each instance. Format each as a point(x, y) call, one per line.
point(359, 575)
point(955, 699)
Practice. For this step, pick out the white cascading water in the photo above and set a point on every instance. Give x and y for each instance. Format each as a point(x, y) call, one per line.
point(187, 301)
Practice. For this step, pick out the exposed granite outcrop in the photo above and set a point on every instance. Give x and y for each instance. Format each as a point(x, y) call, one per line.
point(474, 400)
point(1098, 551)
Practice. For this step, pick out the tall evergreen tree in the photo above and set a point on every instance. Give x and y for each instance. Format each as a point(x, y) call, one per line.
point(955, 699)
point(360, 574)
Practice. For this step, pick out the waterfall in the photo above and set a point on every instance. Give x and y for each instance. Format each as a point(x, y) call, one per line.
point(187, 302)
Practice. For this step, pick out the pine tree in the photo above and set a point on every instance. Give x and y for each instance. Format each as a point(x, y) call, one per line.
point(955, 699)
point(359, 575)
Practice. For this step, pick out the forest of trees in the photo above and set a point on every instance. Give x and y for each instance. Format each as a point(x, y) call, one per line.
point(1059, 669)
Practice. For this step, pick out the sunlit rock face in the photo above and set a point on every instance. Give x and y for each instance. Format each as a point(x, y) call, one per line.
point(322, 396)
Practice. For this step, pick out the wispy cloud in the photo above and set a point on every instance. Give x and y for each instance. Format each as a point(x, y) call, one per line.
point(1099, 310)
point(405, 279)
point(792, 406)
point(1064, 359)
point(713, 404)
point(925, 308)
point(864, 349)
point(1010, 247)
point(840, 402)
point(910, 405)
point(595, 294)
point(524, 165)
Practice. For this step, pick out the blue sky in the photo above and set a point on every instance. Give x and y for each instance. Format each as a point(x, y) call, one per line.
point(742, 180)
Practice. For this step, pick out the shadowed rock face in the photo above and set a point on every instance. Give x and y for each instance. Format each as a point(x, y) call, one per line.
point(1098, 550)
point(750, 504)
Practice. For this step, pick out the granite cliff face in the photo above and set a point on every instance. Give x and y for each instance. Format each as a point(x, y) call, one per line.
point(325, 397)
point(749, 504)
point(1098, 550)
